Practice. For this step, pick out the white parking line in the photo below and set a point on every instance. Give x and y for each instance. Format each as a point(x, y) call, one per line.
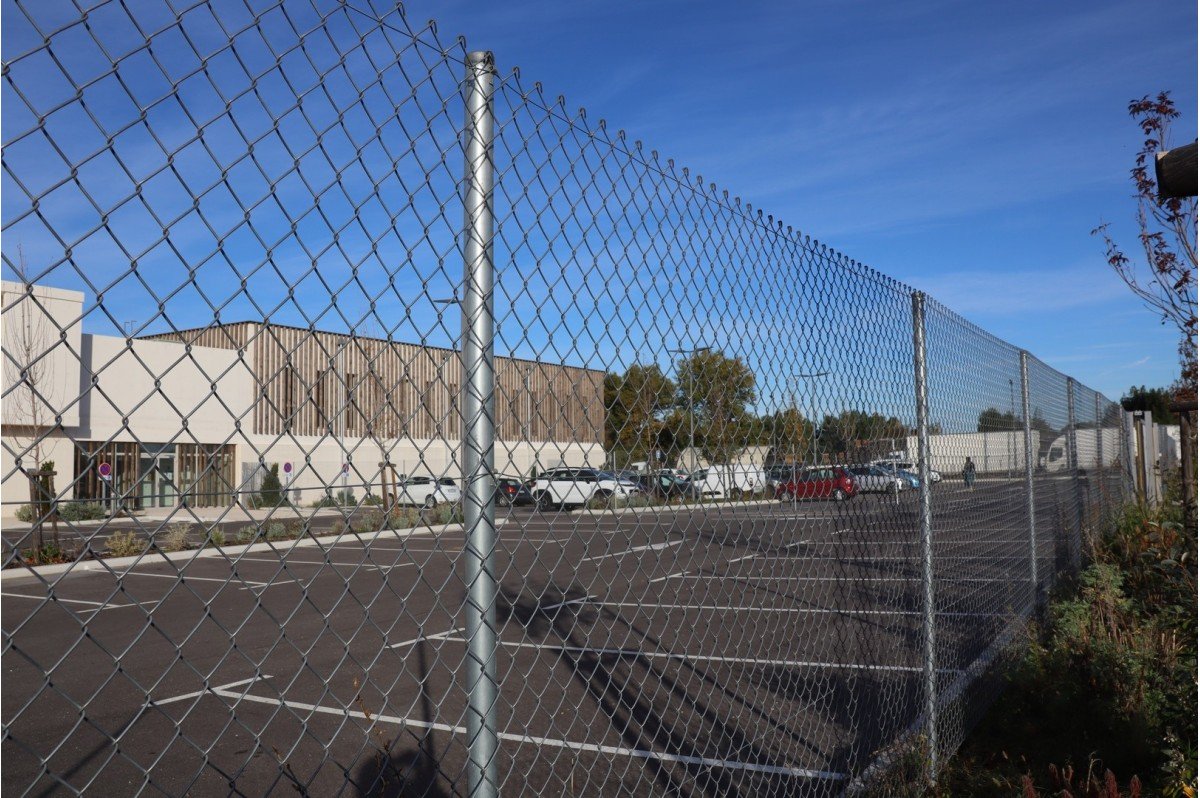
point(365, 565)
point(794, 610)
point(218, 690)
point(568, 603)
point(757, 578)
point(670, 655)
point(611, 750)
point(438, 636)
point(180, 577)
point(99, 605)
point(648, 547)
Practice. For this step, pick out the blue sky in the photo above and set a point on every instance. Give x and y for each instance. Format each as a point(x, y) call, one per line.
point(965, 148)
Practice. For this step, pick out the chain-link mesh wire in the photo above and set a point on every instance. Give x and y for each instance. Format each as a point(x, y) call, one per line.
point(239, 343)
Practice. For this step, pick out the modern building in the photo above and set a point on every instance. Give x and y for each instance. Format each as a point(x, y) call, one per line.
point(195, 415)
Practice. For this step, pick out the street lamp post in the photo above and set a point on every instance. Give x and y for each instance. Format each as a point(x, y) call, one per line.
point(691, 401)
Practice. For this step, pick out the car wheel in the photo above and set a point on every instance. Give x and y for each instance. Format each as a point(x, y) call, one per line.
point(541, 500)
point(736, 494)
point(839, 495)
point(503, 500)
point(430, 502)
point(790, 496)
point(605, 497)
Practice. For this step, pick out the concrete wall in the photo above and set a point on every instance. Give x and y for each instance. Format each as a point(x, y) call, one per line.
point(203, 389)
point(34, 325)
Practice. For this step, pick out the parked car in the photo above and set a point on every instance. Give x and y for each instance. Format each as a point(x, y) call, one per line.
point(427, 491)
point(721, 481)
point(575, 487)
point(873, 479)
point(822, 482)
point(778, 474)
point(666, 485)
point(909, 466)
point(909, 477)
point(511, 492)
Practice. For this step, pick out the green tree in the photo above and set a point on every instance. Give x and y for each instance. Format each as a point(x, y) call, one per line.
point(993, 420)
point(855, 435)
point(789, 434)
point(713, 392)
point(1156, 401)
point(271, 492)
point(636, 402)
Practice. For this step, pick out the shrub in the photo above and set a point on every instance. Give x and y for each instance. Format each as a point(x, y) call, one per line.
point(247, 534)
point(447, 513)
point(48, 553)
point(81, 511)
point(403, 518)
point(176, 537)
point(216, 537)
point(25, 513)
point(276, 530)
point(124, 544)
point(271, 492)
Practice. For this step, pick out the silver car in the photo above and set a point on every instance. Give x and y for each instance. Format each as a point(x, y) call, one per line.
point(873, 479)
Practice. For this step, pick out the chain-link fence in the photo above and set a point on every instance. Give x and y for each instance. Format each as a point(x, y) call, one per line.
point(375, 424)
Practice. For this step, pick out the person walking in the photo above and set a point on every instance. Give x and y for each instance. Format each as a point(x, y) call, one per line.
point(969, 474)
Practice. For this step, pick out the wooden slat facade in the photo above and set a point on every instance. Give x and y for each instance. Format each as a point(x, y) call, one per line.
point(312, 383)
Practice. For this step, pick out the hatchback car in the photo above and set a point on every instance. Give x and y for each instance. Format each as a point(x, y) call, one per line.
point(828, 482)
point(873, 479)
point(666, 485)
point(427, 491)
point(511, 492)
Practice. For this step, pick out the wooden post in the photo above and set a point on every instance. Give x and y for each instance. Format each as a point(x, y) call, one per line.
point(1187, 457)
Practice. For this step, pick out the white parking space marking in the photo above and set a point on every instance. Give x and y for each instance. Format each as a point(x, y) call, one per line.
point(218, 690)
point(180, 577)
point(792, 610)
point(635, 549)
point(422, 638)
point(670, 655)
point(793, 577)
point(100, 606)
point(549, 742)
point(368, 566)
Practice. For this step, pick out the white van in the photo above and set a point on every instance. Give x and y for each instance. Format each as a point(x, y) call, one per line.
point(729, 481)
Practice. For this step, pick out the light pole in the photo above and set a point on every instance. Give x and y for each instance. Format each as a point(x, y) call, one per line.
point(691, 400)
point(793, 381)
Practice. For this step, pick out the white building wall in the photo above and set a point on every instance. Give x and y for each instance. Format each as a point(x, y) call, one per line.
point(42, 334)
point(201, 392)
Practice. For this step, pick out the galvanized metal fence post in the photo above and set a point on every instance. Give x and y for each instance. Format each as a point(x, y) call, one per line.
point(478, 434)
point(1100, 483)
point(1030, 510)
point(920, 374)
point(1076, 546)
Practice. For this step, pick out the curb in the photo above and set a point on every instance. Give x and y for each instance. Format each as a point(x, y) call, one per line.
point(114, 564)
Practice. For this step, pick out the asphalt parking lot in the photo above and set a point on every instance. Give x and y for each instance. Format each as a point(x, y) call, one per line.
point(719, 650)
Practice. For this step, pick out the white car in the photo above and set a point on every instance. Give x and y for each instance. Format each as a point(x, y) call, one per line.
point(876, 479)
point(427, 491)
point(721, 481)
point(575, 487)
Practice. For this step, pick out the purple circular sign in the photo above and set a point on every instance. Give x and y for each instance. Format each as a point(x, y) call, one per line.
point(287, 468)
point(105, 470)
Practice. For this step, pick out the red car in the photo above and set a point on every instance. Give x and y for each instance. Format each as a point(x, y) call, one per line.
point(830, 482)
